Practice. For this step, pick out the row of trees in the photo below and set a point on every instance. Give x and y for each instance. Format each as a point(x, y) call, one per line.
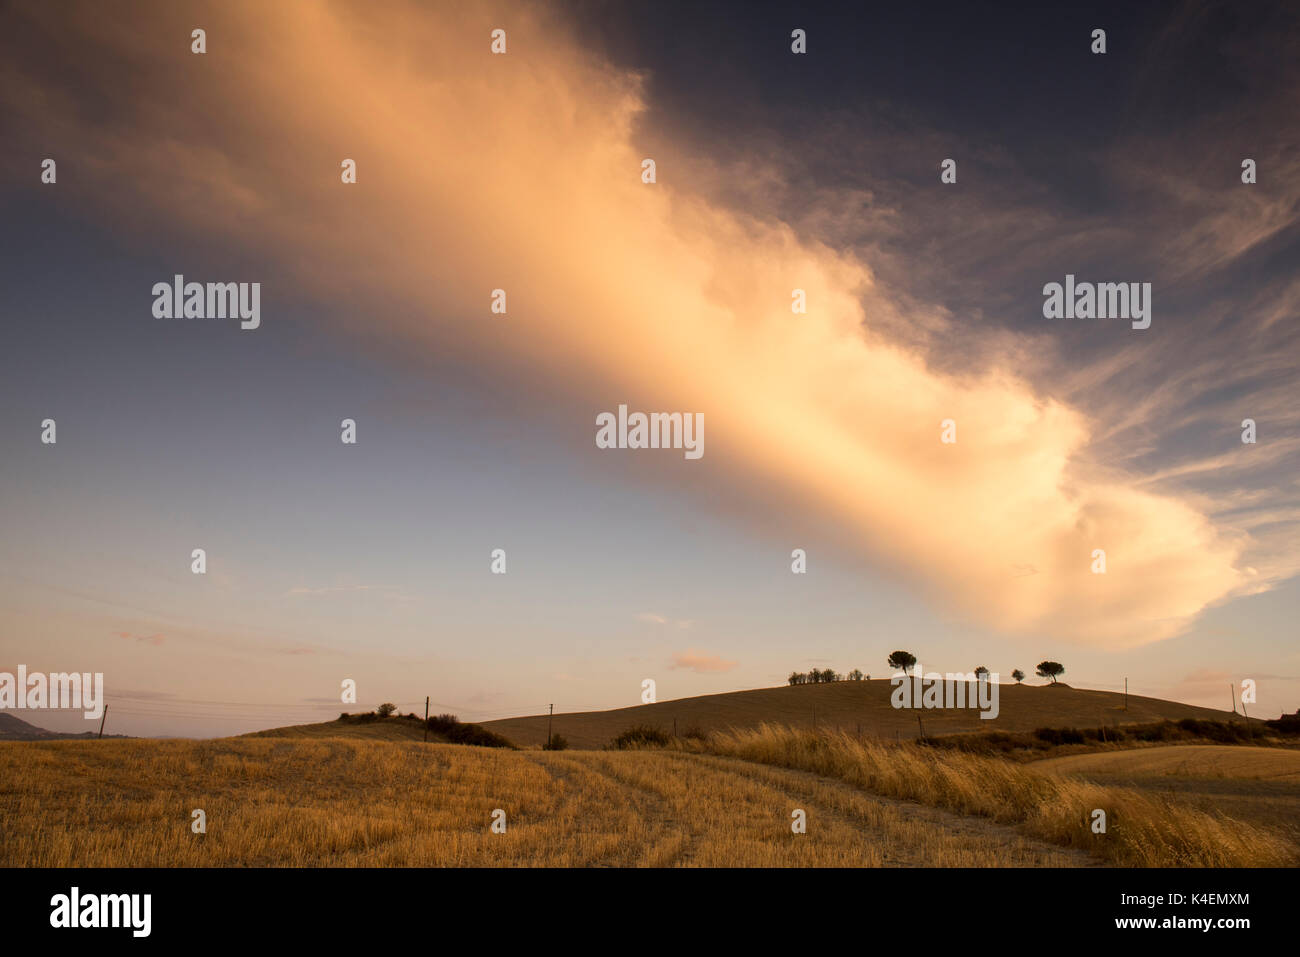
point(816, 677)
point(905, 661)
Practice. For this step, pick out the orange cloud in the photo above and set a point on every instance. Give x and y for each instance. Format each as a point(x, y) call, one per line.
point(522, 172)
point(700, 663)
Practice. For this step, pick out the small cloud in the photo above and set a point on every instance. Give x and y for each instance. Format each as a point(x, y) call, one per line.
point(700, 663)
point(154, 639)
point(661, 620)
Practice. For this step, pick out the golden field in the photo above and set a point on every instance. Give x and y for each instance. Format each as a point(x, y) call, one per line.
point(1256, 785)
point(361, 801)
point(350, 802)
point(1143, 829)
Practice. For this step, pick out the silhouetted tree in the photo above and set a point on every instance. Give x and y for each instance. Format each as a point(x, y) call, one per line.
point(903, 660)
point(856, 674)
point(981, 673)
point(1050, 669)
point(1018, 675)
point(386, 709)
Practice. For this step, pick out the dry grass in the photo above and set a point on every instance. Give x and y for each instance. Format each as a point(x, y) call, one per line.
point(1260, 786)
point(1143, 829)
point(337, 802)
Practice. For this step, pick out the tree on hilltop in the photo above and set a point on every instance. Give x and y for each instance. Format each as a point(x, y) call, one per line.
point(902, 660)
point(1050, 669)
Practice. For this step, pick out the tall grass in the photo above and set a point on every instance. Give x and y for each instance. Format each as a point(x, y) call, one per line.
point(1141, 830)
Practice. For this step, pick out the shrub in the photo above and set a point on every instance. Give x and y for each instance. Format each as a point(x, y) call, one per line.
point(642, 735)
point(456, 732)
point(557, 743)
point(1060, 735)
point(1286, 724)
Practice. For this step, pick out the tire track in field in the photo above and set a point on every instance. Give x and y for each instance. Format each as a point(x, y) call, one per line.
point(577, 771)
point(665, 788)
point(1021, 850)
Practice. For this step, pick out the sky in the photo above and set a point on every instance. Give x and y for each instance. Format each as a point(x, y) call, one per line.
point(523, 171)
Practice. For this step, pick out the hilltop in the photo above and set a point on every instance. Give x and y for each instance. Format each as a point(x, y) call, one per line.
point(853, 706)
point(441, 729)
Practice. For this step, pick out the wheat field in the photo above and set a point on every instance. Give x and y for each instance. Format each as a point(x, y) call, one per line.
point(350, 802)
point(1143, 829)
point(726, 801)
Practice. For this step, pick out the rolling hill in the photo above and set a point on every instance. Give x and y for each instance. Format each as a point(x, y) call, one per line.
point(394, 729)
point(854, 706)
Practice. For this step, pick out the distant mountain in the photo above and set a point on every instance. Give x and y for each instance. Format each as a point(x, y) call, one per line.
point(15, 729)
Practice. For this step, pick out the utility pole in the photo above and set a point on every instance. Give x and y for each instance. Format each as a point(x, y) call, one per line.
point(426, 719)
point(102, 718)
point(920, 725)
point(1125, 694)
point(1233, 690)
point(548, 725)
